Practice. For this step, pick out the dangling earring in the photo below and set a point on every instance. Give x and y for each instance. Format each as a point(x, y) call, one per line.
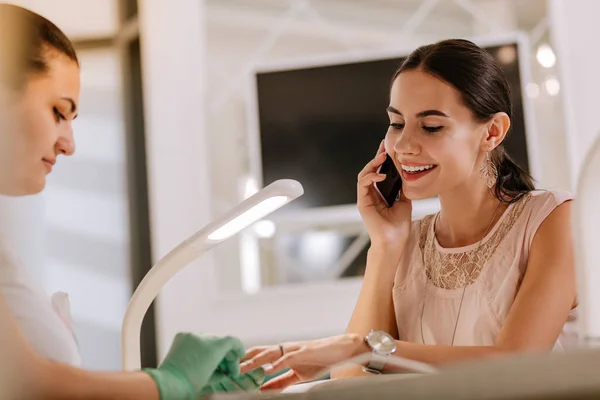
point(488, 171)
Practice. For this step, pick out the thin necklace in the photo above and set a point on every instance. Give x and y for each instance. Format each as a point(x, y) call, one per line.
point(462, 297)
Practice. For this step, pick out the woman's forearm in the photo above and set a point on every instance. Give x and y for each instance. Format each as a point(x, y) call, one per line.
point(435, 355)
point(59, 381)
point(374, 308)
point(430, 354)
point(441, 355)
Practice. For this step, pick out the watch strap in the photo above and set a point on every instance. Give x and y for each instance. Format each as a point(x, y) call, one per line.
point(376, 364)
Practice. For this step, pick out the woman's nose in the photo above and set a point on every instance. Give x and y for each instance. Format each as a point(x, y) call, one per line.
point(406, 143)
point(66, 144)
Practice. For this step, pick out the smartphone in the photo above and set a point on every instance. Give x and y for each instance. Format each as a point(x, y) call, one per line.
point(389, 188)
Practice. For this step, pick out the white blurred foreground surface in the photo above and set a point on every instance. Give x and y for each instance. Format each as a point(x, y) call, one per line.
point(555, 375)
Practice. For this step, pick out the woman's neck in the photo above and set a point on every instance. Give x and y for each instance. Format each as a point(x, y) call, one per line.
point(467, 215)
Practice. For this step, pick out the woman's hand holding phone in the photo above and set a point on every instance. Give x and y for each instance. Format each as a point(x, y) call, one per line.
point(388, 227)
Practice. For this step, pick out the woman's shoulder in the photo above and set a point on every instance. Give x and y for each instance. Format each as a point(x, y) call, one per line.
point(538, 205)
point(556, 197)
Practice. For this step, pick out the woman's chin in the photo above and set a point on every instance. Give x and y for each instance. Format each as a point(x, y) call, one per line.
point(413, 194)
point(34, 187)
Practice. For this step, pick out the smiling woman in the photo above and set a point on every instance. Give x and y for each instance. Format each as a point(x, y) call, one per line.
point(492, 273)
point(481, 276)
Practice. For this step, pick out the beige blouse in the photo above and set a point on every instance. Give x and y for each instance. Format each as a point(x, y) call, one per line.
point(431, 282)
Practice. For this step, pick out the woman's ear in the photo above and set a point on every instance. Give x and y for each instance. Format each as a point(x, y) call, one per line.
point(497, 129)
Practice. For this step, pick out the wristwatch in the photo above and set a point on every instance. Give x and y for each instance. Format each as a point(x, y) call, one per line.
point(382, 345)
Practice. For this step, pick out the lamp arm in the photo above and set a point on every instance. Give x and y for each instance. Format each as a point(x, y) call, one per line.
point(148, 289)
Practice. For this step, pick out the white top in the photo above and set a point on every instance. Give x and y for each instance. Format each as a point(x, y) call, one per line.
point(430, 282)
point(44, 322)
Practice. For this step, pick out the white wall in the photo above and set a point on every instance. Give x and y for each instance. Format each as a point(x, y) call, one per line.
point(173, 50)
point(573, 24)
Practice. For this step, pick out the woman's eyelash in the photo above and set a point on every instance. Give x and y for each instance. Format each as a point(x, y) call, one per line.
point(432, 129)
point(58, 114)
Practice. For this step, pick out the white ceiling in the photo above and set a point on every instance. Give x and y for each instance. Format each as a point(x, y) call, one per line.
point(245, 32)
point(380, 12)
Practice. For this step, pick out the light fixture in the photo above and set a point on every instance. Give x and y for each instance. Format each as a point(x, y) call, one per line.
point(238, 218)
point(247, 218)
point(265, 229)
point(545, 56)
point(507, 54)
point(552, 86)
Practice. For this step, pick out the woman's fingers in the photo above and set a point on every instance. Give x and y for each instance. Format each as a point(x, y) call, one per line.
point(253, 352)
point(288, 361)
point(249, 382)
point(365, 185)
point(281, 382)
point(367, 180)
point(267, 356)
point(303, 357)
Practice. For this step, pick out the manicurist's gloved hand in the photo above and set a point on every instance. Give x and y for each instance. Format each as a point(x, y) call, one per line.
point(195, 364)
point(250, 382)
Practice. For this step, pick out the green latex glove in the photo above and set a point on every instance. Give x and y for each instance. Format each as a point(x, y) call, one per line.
point(250, 382)
point(193, 362)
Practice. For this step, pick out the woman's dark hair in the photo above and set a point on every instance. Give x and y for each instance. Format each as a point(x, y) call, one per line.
point(484, 90)
point(26, 41)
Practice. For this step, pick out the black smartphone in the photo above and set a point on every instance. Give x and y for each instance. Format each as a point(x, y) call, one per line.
point(389, 188)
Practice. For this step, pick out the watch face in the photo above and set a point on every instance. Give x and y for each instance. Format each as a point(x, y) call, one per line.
point(381, 342)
